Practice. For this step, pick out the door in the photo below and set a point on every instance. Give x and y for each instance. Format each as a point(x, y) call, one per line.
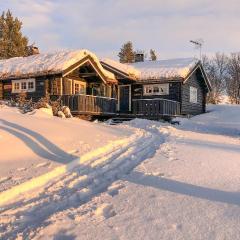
point(124, 98)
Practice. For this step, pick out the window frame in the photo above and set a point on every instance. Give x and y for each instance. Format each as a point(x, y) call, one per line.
point(150, 89)
point(193, 94)
point(80, 86)
point(23, 85)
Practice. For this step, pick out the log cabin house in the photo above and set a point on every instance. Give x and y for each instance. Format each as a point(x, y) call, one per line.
point(150, 89)
point(164, 87)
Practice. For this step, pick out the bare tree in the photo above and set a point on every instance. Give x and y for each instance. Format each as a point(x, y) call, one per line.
point(217, 71)
point(233, 80)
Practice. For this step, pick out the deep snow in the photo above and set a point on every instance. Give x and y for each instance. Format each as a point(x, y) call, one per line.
point(154, 181)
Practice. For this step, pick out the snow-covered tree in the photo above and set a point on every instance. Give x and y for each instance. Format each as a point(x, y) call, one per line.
point(12, 41)
point(153, 55)
point(126, 54)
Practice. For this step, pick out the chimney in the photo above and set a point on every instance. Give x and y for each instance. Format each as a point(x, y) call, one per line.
point(32, 50)
point(139, 57)
point(35, 50)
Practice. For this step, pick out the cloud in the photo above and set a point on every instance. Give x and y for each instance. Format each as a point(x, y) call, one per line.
point(103, 26)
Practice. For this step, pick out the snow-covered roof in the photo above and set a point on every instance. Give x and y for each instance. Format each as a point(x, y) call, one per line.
point(49, 63)
point(123, 68)
point(162, 69)
point(165, 69)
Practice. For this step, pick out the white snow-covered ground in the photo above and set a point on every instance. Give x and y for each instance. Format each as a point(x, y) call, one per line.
point(35, 143)
point(153, 181)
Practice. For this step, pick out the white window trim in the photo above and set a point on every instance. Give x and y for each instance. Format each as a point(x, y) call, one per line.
point(20, 90)
point(82, 87)
point(193, 95)
point(164, 86)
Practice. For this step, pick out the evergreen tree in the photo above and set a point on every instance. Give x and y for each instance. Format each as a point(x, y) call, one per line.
point(12, 41)
point(126, 54)
point(153, 55)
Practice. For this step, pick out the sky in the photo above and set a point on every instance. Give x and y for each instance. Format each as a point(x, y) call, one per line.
point(102, 26)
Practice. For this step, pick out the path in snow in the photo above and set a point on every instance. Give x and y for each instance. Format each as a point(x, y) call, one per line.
point(35, 143)
point(189, 189)
point(78, 183)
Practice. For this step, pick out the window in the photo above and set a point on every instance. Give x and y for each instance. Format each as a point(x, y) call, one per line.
point(193, 95)
point(79, 88)
point(30, 85)
point(16, 86)
point(156, 89)
point(23, 85)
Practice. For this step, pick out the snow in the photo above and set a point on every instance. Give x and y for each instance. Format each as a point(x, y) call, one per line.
point(165, 69)
point(49, 63)
point(125, 68)
point(153, 181)
point(29, 140)
point(161, 69)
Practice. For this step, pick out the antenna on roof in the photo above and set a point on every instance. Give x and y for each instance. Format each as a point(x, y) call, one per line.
point(198, 45)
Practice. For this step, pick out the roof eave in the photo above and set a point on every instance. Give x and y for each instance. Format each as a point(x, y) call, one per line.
point(153, 80)
point(199, 65)
point(117, 71)
point(42, 74)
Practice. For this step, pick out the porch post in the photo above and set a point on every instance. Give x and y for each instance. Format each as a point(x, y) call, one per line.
point(61, 86)
point(72, 86)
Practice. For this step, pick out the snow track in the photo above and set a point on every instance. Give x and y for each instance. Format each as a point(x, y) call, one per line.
point(72, 185)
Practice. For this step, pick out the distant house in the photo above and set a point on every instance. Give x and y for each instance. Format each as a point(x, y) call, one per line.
point(151, 89)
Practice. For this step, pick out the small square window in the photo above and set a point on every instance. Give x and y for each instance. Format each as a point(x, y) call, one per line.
point(16, 86)
point(23, 85)
point(156, 89)
point(30, 85)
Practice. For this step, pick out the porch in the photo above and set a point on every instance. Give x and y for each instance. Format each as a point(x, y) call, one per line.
point(81, 104)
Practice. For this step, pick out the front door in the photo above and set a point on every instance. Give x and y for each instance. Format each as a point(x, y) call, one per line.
point(124, 98)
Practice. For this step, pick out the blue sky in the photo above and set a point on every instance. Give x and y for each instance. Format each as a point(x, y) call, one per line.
point(103, 26)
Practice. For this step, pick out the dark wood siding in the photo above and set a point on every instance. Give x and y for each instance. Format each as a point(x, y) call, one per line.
point(1, 90)
point(188, 107)
point(174, 92)
point(42, 86)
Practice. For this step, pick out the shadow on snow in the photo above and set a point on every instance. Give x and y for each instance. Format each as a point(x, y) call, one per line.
point(184, 188)
point(37, 143)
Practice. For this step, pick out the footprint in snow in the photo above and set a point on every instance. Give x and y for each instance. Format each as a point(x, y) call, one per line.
point(44, 164)
point(73, 151)
point(4, 179)
point(171, 159)
point(114, 189)
point(105, 211)
point(21, 169)
point(176, 226)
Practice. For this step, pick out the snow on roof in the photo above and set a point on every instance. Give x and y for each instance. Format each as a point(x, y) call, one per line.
point(125, 68)
point(165, 69)
point(161, 69)
point(46, 64)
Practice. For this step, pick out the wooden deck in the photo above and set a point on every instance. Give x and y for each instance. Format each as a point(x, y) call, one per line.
point(155, 107)
point(104, 106)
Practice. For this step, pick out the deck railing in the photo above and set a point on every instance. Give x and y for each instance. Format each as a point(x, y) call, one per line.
point(155, 107)
point(88, 104)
